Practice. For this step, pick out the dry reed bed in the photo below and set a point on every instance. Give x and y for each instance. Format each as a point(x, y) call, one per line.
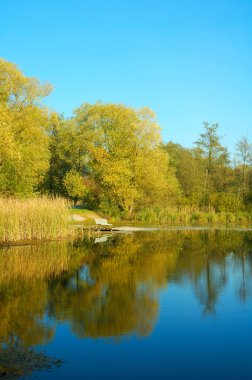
point(33, 219)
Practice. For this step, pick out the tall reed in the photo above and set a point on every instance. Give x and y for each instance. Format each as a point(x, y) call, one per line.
point(169, 216)
point(33, 219)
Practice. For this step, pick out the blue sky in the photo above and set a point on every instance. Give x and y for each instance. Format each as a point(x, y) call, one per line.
point(188, 60)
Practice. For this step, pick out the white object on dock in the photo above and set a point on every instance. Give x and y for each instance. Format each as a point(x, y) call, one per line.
point(103, 224)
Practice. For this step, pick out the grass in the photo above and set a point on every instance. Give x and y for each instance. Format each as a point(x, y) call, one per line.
point(49, 218)
point(173, 217)
point(87, 214)
point(33, 219)
point(84, 212)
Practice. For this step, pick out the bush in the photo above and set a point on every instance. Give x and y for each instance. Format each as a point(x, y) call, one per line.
point(147, 215)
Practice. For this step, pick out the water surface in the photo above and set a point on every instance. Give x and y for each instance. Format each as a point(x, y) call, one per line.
point(160, 304)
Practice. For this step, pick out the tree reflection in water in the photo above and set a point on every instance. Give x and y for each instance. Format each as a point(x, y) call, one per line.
point(112, 289)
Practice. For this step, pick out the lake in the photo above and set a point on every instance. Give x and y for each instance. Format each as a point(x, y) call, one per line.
point(143, 305)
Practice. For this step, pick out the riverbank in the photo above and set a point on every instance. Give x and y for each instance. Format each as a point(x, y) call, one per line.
point(176, 228)
point(26, 220)
point(173, 218)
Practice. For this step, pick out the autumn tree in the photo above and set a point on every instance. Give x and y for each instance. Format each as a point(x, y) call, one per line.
point(24, 155)
point(120, 148)
point(75, 186)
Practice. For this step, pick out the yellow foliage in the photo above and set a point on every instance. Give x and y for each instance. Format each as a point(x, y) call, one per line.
point(24, 154)
point(125, 154)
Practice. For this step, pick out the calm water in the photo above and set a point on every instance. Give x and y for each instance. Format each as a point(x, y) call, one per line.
point(148, 305)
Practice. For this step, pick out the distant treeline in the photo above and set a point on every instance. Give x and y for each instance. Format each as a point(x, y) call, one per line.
point(111, 158)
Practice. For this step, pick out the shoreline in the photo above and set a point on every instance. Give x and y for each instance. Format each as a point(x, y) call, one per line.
point(122, 229)
point(178, 228)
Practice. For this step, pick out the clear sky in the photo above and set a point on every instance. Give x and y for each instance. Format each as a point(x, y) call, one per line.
point(188, 60)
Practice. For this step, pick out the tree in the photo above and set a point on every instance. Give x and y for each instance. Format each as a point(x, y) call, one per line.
point(189, 170)
point(75, 186)
point(213, 155)
point(24, 155)
point(122, 151)
point(244, 154)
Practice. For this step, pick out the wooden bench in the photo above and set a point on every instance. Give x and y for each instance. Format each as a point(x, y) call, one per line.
point(103, 225)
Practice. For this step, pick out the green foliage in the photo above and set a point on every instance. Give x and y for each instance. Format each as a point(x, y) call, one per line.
point(189, 170)
point(209, 146)
point(148, 216)
point(118, 149)
point(243, 170)
point(75, 186)
point(225, 202)
point(213, 156)
point(196, 217)
point(111, 157)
